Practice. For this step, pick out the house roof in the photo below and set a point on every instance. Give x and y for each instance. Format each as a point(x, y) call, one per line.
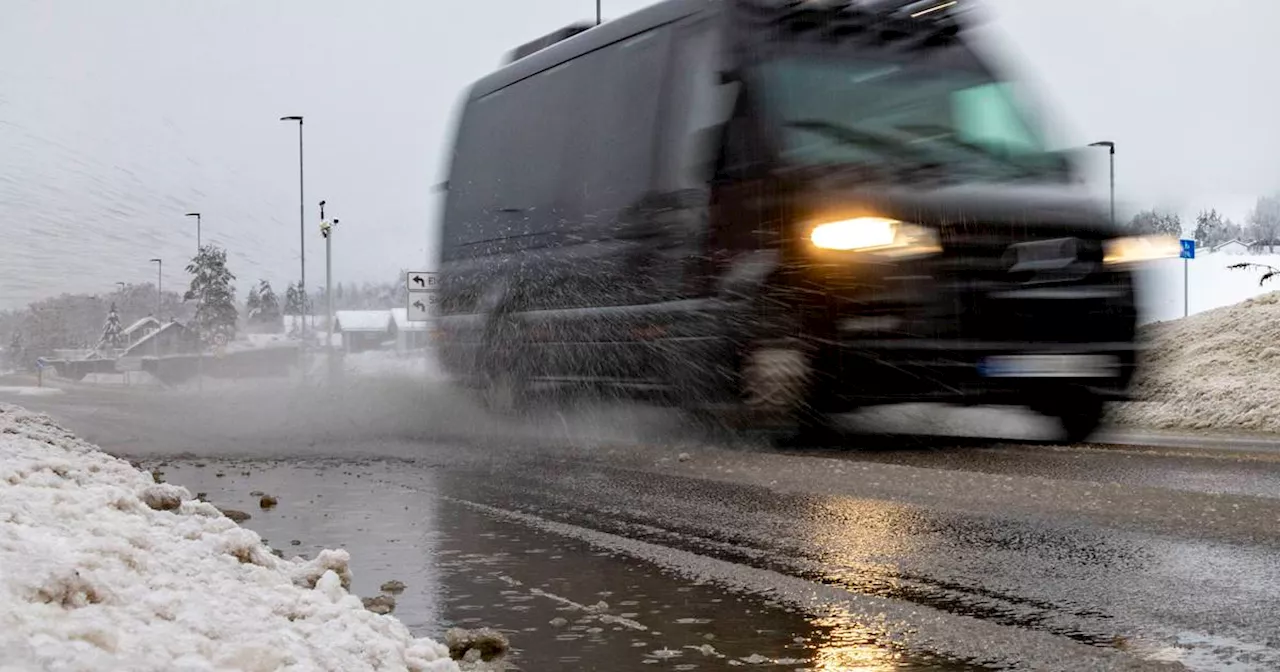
point(362, 320)
point(142, 342)
point(144, 322)
point(401, 316)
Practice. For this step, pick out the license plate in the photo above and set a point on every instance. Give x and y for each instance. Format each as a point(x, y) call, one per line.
point(1049, 366)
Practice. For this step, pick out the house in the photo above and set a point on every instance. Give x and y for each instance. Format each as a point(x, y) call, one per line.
point(170, 339)
point(409, 335)
point(139, 330)
point(1234, 246)
point(363, 329)
point(1264, 246)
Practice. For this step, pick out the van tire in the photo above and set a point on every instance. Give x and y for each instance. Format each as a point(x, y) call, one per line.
point(1079, 415)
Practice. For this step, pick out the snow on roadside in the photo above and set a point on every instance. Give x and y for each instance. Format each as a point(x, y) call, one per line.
point(103, 569)
point(1217, 370)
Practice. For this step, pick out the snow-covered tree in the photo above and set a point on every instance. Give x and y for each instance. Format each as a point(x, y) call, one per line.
point(292, 300)
point(112, 331)
point(17, 357)
point(252, 304)
point(211, 285)
point(1264, 221)
point(269, 304)
point(1210, 229)
point(1149, 222)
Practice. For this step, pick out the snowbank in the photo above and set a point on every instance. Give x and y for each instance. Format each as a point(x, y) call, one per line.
point(103, 569)
point(1217, 370)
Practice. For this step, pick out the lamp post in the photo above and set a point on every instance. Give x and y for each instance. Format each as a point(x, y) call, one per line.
point(302, 221)
point(597, 12)
point(1111, 149)
point(159, 297)
point(199, 246)
point(199, 305)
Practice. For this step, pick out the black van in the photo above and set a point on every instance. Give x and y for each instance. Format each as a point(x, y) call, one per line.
point(794, 208)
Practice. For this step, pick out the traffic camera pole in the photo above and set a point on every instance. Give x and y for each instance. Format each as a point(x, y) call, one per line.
point(326, 230)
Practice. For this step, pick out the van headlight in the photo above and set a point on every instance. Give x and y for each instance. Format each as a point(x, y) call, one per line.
point(1137, 249)
point(877, 235)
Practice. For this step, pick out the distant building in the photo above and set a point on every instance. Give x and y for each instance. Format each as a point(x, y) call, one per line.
point(409, 335)
point(364, 329)
point(1232, 247)
point(1264, 246)
point(139, 330)
point(171, 339)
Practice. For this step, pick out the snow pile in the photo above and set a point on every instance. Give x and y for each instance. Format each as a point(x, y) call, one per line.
point(103, 569)
point(1216, 370)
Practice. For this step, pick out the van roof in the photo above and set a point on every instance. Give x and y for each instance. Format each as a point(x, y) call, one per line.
point(589, 40)
point(578, 39)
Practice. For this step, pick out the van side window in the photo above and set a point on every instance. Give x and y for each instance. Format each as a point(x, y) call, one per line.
point(505, 177)
point(474, 180)
point(614, 115)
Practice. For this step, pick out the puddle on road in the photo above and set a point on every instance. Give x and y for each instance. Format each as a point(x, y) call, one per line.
point(562, 603)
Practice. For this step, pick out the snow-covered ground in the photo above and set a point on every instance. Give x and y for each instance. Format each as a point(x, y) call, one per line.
point(1219, 369)
point(27, 391)
point(103, 569)
point(1211, 283)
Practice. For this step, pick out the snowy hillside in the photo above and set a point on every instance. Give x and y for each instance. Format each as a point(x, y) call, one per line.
point(103, 569)
point(1219, 369)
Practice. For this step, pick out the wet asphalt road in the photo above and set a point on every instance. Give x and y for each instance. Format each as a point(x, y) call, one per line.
point(619, 538)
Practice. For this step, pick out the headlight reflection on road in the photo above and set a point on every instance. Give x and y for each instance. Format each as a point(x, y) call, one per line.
point(850, 647)
point(859, 543)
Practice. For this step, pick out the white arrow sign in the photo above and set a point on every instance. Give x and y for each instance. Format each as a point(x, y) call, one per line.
point(422, 281)
point(423, 307)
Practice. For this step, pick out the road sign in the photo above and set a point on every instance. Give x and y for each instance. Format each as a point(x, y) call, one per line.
point(41, 363)
point(422, 281)
point(423, 306)
point(220, 339)
point(1188, 249)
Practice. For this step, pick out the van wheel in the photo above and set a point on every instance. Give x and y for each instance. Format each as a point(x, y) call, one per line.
point(1079, 415)
point(504, 385)
point(778, 383)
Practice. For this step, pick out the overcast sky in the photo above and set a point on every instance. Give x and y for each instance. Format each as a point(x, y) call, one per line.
point(118, 117)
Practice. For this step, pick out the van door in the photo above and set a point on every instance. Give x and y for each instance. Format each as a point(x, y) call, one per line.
point(607, 180)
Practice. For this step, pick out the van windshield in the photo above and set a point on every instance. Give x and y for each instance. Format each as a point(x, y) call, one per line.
point(847, 111)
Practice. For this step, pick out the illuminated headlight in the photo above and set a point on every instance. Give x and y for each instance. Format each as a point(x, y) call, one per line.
point(1137, 249)
point(875, 234)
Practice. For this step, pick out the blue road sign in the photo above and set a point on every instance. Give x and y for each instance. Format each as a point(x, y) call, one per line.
point(1188, 249)
point(41, 363)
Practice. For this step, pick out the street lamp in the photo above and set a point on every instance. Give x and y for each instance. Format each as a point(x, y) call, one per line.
point(302, 219)
point(199, 305)
point(159, 286)
point(1111, 147)
point(597, 12)
point(197, 216)
point(159, 296)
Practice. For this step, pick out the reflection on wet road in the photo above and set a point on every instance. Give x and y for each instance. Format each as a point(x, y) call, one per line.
point(563, 603)
point(909, 553)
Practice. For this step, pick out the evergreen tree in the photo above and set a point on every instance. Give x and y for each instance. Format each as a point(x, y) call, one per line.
point(17, 351)
point(269, 304)
point(211, 284)
point(292, 300)
point(1210, 229)
point(252, 305)
point(112, 332)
